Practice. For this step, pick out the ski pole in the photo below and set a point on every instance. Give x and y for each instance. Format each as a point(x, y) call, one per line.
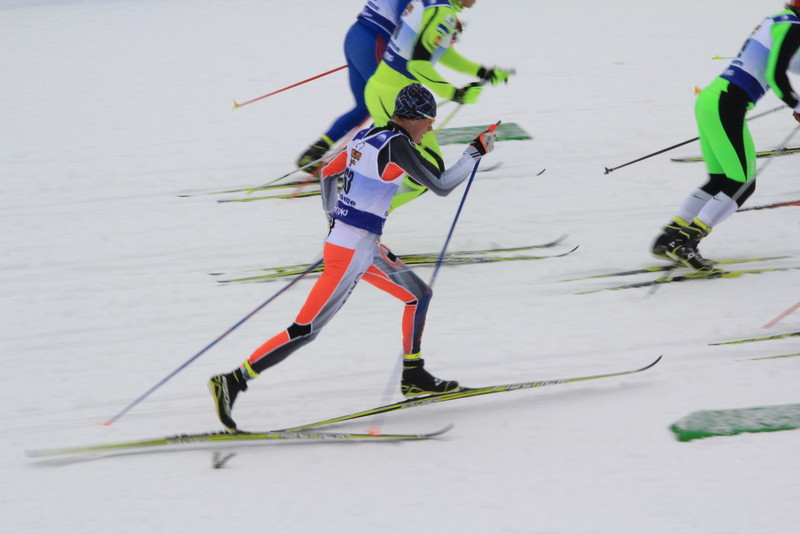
point(452, 114)
point(323, 160)
point(759, 172)
point(447, 119)
point(777, 150)
point(771, 206)
point(608, 170)
point(207, 347)
point(336, 151)
point(295, 171)
point(376, 426)
point(440, 259)
point(238, 105)
point(782, 316)
point(651, 155)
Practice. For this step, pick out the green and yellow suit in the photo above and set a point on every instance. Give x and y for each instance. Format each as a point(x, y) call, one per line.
point(728, 150)
point(422, 39)
point(762, 64)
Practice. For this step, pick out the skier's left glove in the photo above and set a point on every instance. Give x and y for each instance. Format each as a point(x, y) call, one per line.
point(494, 75)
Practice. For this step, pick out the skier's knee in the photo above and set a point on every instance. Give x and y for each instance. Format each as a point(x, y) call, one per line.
point(299, 330)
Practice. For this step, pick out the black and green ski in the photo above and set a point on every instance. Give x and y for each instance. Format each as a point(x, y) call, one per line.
point(460, 257)
point(753, 339)
point(507, 131)
point(760, 154)
point(463, 393)
point(667, 268)
point(199, 440)
point(695, 275)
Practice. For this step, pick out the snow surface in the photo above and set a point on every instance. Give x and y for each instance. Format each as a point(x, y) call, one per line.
point(111, 109)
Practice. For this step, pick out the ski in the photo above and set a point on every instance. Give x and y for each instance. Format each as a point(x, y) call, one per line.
point(752, 339)
point(313, 193)
point(296, 194)
point(230, 438)
point(405, 257)
point(792, 355)
point(549, 244)
point(483, 251)
point(463, 393)
point(762, 154)
point(419, 261)
point(668, 268)
point(310, 180)
point(771, 206)
point(505, 132)
point(412, 260)
point(695, 275)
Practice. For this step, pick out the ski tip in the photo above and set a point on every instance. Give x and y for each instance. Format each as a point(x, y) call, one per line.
point(448, 428)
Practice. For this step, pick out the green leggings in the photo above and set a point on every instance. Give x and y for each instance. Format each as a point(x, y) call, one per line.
point(725, 140)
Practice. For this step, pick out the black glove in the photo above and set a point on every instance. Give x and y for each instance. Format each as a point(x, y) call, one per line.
point(469, 93)
point(494, 75)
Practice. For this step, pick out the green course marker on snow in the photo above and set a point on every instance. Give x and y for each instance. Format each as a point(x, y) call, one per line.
point(709, 423)
point(506, 131)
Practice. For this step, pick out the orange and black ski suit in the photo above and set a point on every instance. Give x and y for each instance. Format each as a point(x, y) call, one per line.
point(371, 169)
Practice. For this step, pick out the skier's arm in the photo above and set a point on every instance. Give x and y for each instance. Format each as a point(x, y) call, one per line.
point(436, 24)
point(453, 60)
point(329, 179)
point(399, 156)
point(786, 39)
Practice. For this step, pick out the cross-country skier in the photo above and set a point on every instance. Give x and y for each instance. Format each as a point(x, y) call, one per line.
point(725, 141)
point(363, 48)
point(371, 168)
point(423, 38)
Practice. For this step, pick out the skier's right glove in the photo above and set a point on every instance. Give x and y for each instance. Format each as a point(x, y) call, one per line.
point(469, 93)
point(483, 143)
point(494, 75)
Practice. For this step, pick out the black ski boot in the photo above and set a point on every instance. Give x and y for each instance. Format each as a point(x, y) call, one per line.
point(417, 381)
point(666, 242)
point(224, 389)
point(686, 251)
point(314, 152)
